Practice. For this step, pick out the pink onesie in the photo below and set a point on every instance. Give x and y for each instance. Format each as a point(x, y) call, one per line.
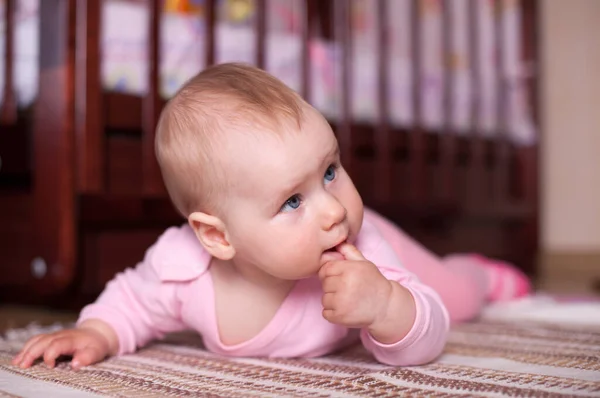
point(172, 290)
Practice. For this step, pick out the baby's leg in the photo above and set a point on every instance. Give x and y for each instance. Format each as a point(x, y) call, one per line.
point(464, 282)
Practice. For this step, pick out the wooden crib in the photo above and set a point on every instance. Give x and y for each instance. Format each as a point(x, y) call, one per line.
point(82, 197)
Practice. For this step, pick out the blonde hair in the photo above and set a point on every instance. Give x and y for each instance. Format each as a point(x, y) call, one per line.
point(201, 116)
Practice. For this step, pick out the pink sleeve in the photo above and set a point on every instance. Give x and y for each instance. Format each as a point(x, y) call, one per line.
point(138, 305)
point(428, 336)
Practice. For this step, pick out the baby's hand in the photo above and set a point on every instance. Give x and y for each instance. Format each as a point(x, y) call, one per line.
point(356, 294)
point(88, 344)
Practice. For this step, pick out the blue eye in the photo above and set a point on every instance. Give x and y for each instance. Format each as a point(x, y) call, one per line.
point(330, 174)
point(293, 203)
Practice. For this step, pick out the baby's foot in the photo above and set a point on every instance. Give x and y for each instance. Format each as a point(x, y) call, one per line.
point(506, 281)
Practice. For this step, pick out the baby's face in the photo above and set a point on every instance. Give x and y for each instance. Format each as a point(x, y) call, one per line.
point(291, 202)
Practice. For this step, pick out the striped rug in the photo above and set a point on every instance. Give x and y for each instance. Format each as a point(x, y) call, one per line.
point(483, 358)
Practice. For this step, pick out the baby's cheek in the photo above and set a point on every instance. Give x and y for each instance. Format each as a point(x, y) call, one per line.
point(353, 204)
point(298, 246)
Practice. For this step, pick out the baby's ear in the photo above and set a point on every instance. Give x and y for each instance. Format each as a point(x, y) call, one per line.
point(211, 232)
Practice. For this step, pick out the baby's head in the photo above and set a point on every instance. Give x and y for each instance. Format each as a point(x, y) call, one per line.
point(256, 171)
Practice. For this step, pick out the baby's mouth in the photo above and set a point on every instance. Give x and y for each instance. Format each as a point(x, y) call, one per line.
point(339, 244)
point(334, 248)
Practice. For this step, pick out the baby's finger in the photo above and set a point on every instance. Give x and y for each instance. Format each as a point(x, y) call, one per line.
point(58, 347)
point(87, 356)
point(330, 284)
point(350, 252)
point(333, 268)
point(35, 351)
point(19, 357)
point(328, 301)
point(330, 315)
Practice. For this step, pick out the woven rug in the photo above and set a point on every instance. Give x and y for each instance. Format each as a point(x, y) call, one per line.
point(494, 356)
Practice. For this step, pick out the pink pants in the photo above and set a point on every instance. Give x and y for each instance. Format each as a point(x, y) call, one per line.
point(460, 281)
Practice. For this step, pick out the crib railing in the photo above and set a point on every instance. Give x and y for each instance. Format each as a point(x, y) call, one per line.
point(396, 168)
point(415, 147)
point(13, 144)
point(8, 109)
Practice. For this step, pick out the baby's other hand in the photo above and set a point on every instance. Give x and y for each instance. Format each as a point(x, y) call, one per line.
point(87, 344)
point(355, 293)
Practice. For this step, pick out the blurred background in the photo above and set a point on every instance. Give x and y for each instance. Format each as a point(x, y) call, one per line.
point(473, 124)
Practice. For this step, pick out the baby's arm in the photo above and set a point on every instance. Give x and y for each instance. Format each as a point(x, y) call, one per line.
point(390, 341)
point(402, 322)
point(138, 306)
point(135, 307)
point(410, 303)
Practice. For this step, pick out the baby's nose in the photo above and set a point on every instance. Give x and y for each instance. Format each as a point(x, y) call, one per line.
point(334, 213)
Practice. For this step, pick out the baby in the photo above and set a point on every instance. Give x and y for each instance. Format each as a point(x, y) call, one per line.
point(278, 257)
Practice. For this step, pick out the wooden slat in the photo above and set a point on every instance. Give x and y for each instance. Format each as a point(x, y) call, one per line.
point(529, 155)
point(89, 123)
point(54, 235)
point(416, 137)
point(123, 166)
point(476, 146)
point(16, 231)
point(152, 181)
point(15, 157)
point(502, 147)
point(448, 141)
point(209, 45)
point(343, 24)
point(8, 112)
point(261, 32)
point(382, 133)
point(309, 10)
point(122, 111)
